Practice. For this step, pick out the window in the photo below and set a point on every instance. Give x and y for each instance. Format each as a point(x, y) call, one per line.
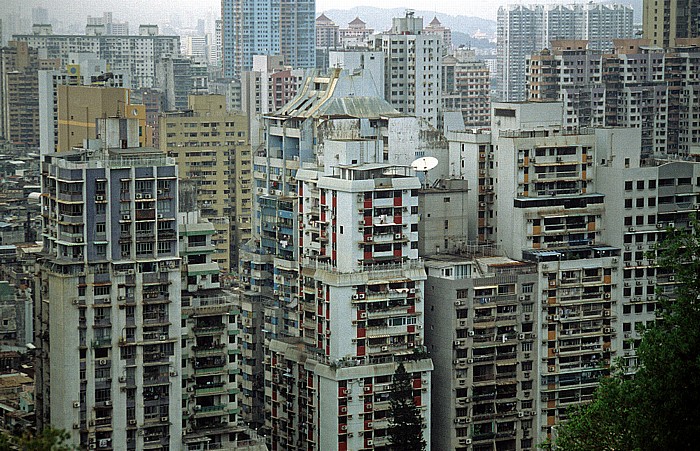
point(628, 203)
point(651, 202)
point(463, 293)
point(628, 185)
point(640, 184)
point(640, 202)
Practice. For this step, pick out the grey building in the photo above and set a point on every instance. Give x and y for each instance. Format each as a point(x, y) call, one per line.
point(108, 295)
point(481, 330)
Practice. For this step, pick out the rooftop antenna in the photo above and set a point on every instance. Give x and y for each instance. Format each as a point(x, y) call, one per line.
point(423, 165)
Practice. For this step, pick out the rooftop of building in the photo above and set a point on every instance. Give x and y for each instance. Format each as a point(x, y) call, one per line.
point(337, 94)
point(371, 171)
point(113, 158)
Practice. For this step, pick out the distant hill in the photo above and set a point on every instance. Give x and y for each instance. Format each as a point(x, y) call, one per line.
point(380, 19)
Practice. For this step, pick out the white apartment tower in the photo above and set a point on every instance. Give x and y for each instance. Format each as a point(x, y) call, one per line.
point(412, 62)
point(360, 311)
point(108, 306)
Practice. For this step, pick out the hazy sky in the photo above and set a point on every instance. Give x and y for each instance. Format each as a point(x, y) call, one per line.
point(160, 10)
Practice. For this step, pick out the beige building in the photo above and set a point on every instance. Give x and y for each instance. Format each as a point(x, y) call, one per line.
point(211, 147)
point(80, 106)
point(667, 20)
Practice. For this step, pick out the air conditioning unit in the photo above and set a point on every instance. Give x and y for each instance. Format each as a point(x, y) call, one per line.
point(521, 336)
point(76, 426)
point(659, 226)
point(163, 419)
point(343, 427)
point(631, 229)
point(99, 198)
point(132, 422)
point(521, 414)
point(126, 217)
point(197, 408)
point(160, 192)
point(363, 315)
point(102, 361)
point(370, 443)
point(355, 297)
point(139, 195)
point(606, 296)
point(343, 409)
point(147, 196)
point(76, 404)
point(385, 348)
point(522, 297)
point(671, 278)
point(163, 337)
point(361, 295)
point(397, 236)
point(160, 216)
point(607, 330)
point(173, 373)
point(457, 343)
point(108, 403)
point(76, 301)
point(470, 361)
point(122, 379)
point(458, 303)
point(470, 333)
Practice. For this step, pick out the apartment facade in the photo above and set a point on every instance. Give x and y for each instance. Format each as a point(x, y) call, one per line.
point(109, 297)
point(210, 371)
point(668, 20)
point(466, 87)
point(481, 330)
point(638, 85)
point(412, 68)
point(526, 29)
point(211, 146)
point(19, 93)
point(79, 107)
point(136, 55)
point(84, 70)
point(254, 27)
point(349, 348)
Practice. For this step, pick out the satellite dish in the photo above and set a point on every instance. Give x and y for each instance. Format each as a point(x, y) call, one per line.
point(424, 165)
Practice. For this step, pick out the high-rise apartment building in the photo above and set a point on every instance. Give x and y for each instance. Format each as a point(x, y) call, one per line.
point(256, 27)
point(526, 29)
point(466, 88)
point(480, 330)
point(360, 311)
point(108, 304)
point(19, 93)
point(637, 85)
point(265, 89)
point(666, 21)
point(136, 55)
point(209, 354)
point(413, 60)
point(327, 35)
point(211, 148)
point(79, 107)
point(329, 188)
point(83, 70)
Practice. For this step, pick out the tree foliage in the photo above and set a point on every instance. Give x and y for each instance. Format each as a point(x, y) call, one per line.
point(406, 423)
point(49, 439)
point(659, 407)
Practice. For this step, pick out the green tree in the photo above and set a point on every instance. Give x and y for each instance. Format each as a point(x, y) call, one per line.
point(406, 423)
point(659, 407)
point(49, 439)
